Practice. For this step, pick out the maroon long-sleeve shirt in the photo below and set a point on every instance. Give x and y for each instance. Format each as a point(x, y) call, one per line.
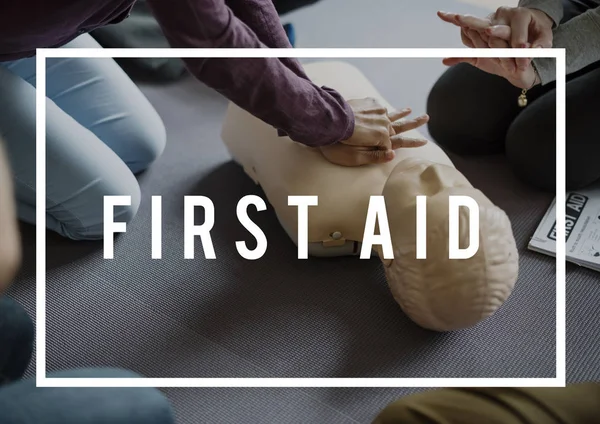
point(274, 90)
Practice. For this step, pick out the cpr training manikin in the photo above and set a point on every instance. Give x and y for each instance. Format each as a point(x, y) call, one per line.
point(437, 293)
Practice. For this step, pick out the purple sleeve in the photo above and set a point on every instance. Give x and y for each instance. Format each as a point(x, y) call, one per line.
point(275, 91)
point(259, 16)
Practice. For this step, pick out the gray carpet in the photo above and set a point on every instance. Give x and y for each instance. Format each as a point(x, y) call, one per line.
point(278, 316)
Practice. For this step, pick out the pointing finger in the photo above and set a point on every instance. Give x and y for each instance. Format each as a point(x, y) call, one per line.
point(451, 18)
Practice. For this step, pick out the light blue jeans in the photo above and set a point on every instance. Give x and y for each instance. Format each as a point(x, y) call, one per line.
point(101, 130)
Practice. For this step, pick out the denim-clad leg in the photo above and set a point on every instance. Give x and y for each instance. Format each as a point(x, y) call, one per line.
point(24, 403)
point(100, 131)
point(16, 341)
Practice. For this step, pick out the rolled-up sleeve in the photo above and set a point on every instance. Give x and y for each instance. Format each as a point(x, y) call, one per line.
point(580, 37)
point(275, 91)
point(552, 8)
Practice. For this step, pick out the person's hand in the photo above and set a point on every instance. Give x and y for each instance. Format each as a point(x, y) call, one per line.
point(524, 78)
point(377, 133)
point(477, 33)
point(520, 26)
point(469, 36)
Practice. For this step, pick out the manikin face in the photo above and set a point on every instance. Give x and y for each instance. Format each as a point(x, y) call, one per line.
point(439, 293)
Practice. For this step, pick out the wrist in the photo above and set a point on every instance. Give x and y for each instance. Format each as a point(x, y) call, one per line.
point(537, 80)
point(351, 123)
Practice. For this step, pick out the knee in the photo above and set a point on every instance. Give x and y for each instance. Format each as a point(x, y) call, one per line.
point(449, 114)
point(463, 119)
point(531, 153)
point(439, 101)
point(147, 140)
point(578, 177)
point(582, 161)
point(88, 222)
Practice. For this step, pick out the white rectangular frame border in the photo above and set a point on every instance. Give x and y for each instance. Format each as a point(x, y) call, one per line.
point(43, 380)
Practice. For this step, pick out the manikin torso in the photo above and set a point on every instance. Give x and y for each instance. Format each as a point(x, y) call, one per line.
point(437, 292)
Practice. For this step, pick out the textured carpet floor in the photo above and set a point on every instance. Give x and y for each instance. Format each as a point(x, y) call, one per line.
point(280, 317)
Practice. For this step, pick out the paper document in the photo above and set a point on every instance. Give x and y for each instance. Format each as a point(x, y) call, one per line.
point(582, 222)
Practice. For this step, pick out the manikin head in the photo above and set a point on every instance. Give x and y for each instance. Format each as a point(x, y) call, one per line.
point(439, 293)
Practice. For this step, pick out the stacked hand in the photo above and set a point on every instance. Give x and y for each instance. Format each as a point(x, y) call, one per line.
point(515, 27)
point(377, 133)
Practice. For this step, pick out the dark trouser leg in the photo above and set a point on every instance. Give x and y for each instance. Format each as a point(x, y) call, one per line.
point(16, 340)
point(576, 404)
point(531, 139)
point(470, 111)
point(23, 403)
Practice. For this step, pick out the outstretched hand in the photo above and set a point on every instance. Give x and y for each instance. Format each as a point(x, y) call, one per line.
point(377, 134)
point(521, 27)
point(519, 72)
point(490, 33)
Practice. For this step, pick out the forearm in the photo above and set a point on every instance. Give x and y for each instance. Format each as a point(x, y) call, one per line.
point(265, 87)
point(262, 18)
point(580, 37)
point(10, 246)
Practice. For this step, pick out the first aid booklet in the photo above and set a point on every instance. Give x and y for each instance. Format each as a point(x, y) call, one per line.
point(582, 231)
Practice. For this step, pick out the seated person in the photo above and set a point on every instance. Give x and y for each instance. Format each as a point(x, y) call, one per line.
point(475, 107)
